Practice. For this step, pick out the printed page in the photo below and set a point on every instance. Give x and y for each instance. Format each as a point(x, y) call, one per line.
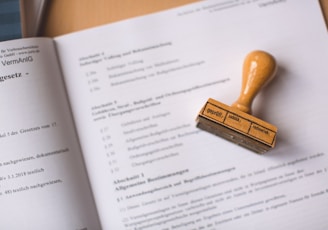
point(43, 182)
point(136, 88)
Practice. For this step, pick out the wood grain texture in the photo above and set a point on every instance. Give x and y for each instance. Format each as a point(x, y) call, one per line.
point(65, 16)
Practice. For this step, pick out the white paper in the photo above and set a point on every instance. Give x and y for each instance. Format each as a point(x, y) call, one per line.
point(136, 87)
point(43, 183)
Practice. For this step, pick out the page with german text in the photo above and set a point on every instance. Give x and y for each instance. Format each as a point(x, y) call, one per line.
point(136, 88)
point(43, 182)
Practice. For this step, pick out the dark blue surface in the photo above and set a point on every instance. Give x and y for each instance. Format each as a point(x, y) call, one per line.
point(10, 21)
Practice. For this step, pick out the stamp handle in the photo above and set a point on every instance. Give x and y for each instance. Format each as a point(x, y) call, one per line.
point(258, 69)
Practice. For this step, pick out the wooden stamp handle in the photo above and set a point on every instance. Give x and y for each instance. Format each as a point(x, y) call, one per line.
point(258, 69)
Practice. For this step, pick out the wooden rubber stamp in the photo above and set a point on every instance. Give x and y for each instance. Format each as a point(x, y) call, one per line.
point(235, 123)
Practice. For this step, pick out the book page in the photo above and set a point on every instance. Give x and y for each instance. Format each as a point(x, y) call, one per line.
point(136, 88)
point(43, 182)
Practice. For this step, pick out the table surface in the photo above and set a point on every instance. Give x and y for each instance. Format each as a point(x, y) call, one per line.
point(64, 16)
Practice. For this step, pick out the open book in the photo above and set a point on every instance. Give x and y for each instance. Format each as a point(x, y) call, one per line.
point(97, 128)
